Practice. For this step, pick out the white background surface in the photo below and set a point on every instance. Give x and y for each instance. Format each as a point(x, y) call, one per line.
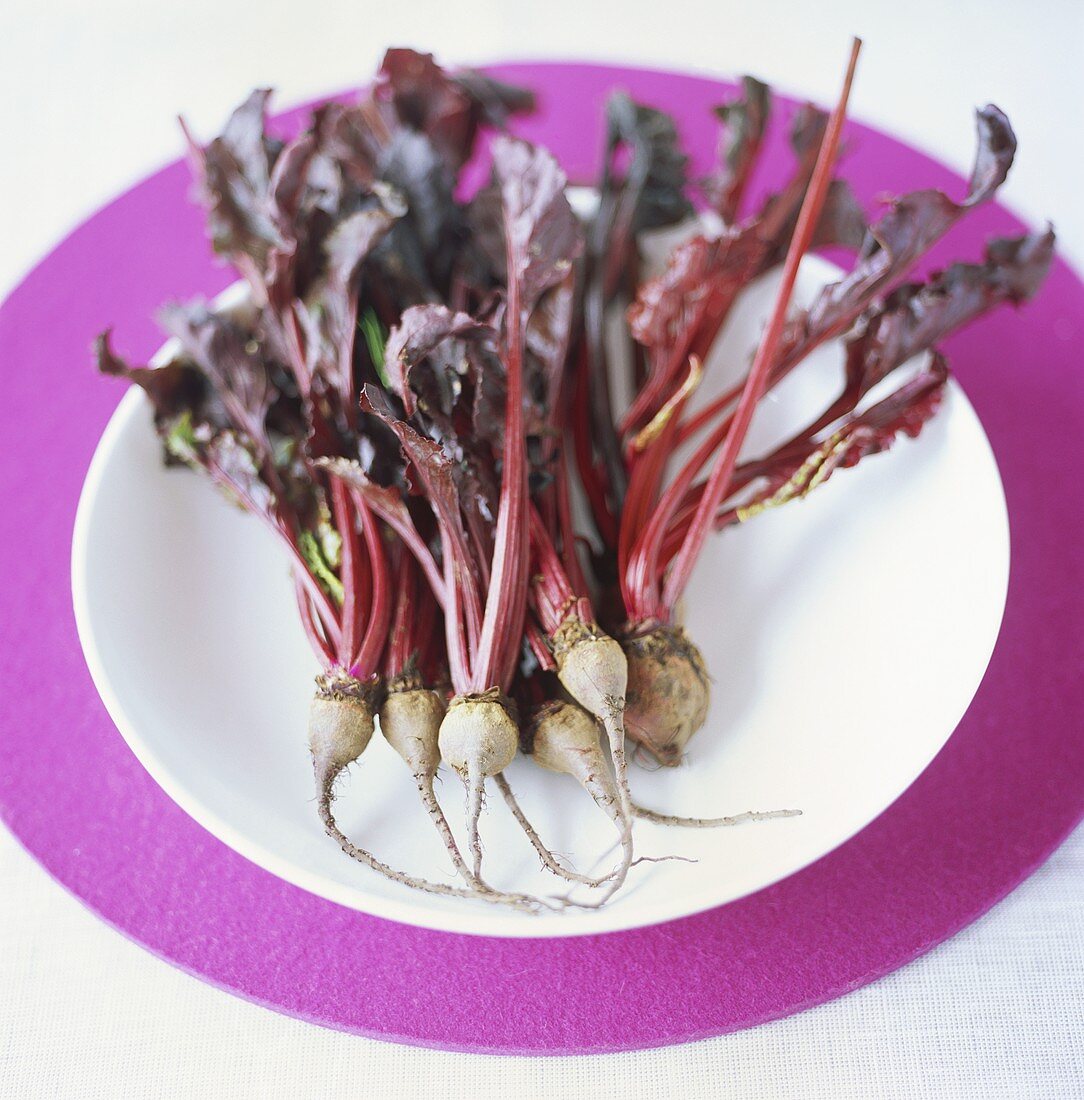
point(87, 95)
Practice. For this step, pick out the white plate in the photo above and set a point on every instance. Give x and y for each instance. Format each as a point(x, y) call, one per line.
point(846, 633)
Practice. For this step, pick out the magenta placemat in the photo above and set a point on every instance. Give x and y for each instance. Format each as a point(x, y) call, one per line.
point(1006, 789)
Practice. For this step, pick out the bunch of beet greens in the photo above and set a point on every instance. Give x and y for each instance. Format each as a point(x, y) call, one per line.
point(416, 383)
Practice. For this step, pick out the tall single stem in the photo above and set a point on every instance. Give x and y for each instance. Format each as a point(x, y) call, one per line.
point(506, 598)
point(756, 383)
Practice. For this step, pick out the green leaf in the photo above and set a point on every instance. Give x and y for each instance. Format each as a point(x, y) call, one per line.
point(180, 440)
point(376, 340)
point(331, 543)
point(319, 566)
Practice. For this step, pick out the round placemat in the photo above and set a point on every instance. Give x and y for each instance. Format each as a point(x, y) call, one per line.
point(1008, 786)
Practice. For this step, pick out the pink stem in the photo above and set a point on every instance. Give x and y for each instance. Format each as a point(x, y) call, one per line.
point(506, 598)
point(411, 538)
point(401, 644)
point(351, 611)
point(367, 660)
point(308, 620)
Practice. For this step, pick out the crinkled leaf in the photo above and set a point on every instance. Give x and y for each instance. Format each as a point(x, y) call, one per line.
point(917, 316)
point(912, 224)
point(649, 192)
point(201, 428)
point(431, 337)
point(235, 470)
point(642, 187)
point(428, 100)
point(412, 164)
point(842, 222)
point(485, 222)
point(444, 367)
point(494, 101)
point(702, 267)
point(744, 121)
point(779, 211)
point(549, 333)
point(289, 181)
point(797, 468)
point(542, 235)
point(666, 302)
point(432, 466)
point(244, 138)
point(996, 151)
point(355, 135)
point(235, 171)
point(355, 235)
point(327, 320)
point(912, 320)
point(698, 268)
point(904, 412)
point(232, 359)
point(449, 109)
point(175, 389)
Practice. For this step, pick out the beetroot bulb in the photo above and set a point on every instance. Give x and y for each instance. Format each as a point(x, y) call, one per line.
point(412, 710)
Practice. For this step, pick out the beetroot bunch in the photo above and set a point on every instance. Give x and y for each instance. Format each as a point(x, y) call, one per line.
point(419, 383)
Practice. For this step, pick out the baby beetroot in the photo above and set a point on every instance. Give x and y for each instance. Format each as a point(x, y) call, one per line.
point(564, 738)
point(340, 729)
point(669, 690)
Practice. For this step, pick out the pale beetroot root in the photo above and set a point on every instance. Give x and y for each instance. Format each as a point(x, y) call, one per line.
point(549, 860)
point(668, 691)
point(340, 729)
point(478, 738)
point(593, 669)
point(410, 719)
point(711, 822)
point(564, 738)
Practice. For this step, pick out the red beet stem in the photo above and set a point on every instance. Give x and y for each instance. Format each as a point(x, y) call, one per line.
point(309, 622)
point(403, 641)
point(646, 518)
point(565, 526)
point(592, 475)
point(555, 596)
point(536, 639)
point(506, 599)
point(348, 533)
point(326, 610)
point(755, 384)
point(367, 659)
point(413, 540)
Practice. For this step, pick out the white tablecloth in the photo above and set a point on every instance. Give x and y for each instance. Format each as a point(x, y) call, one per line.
point(87, 97)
